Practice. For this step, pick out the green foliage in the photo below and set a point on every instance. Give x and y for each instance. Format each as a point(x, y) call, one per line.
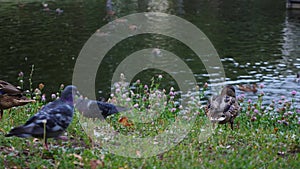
point(265, 136)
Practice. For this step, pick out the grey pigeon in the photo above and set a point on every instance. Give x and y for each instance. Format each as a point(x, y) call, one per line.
point(223, 108)
point(55, 116)
point(96, 109)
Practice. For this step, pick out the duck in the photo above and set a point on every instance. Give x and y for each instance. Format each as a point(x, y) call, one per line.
point(11, 96)
point(248, 88)
point(51, 120)
point(223, 108)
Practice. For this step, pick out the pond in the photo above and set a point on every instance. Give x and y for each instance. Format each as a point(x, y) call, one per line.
point(257, 41)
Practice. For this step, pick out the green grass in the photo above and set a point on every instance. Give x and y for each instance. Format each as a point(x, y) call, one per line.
point(260, 142)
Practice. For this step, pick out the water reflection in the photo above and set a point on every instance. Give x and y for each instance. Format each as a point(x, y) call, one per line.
point(256, 43)
point(291, 42)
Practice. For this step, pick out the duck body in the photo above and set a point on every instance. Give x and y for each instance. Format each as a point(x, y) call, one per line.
point(248, 88)
point(11, 96)
point(223, 108)
point(8, 101)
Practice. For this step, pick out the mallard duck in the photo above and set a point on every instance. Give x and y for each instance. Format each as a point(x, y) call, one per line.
point(223, 108)
point(54, 118)
point(10, 96)
point(248, 88)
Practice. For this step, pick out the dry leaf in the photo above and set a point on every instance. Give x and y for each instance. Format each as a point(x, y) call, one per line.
point(124, 121)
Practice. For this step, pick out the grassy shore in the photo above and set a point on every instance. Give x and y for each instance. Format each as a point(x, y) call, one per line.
point(265, 136)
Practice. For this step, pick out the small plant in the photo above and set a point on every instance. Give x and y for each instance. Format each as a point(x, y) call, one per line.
point(281, 113)
point(30, 79)
point(151, 108)
point(21, 80)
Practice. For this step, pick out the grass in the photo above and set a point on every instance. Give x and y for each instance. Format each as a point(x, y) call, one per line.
point(267, 136)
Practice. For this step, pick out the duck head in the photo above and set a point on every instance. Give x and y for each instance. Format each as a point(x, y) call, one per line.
point(228, 90)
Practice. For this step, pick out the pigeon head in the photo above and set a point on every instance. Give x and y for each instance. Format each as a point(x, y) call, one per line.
point(69, 93)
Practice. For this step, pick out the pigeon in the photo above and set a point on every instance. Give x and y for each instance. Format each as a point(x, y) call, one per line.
point(11, 96)
point(223, 108)
point(96, 109)
point(54, 118)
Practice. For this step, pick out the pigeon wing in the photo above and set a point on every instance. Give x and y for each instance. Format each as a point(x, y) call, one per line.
point(56, 120)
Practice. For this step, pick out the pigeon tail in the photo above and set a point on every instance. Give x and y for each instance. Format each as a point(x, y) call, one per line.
point(20, 131)
point(121, 109)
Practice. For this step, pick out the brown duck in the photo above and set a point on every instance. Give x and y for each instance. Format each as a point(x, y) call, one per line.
point(248, 88)
point(10, 96)
point(223, 108)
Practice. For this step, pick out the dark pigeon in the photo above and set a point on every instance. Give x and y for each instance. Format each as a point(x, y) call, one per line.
point(55, 116)
point(97, 109)
point(10, 96)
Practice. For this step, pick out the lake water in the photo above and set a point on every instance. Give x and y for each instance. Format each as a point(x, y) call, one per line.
point(257, 41)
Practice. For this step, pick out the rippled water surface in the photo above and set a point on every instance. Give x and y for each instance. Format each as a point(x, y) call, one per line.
point(257, 41)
